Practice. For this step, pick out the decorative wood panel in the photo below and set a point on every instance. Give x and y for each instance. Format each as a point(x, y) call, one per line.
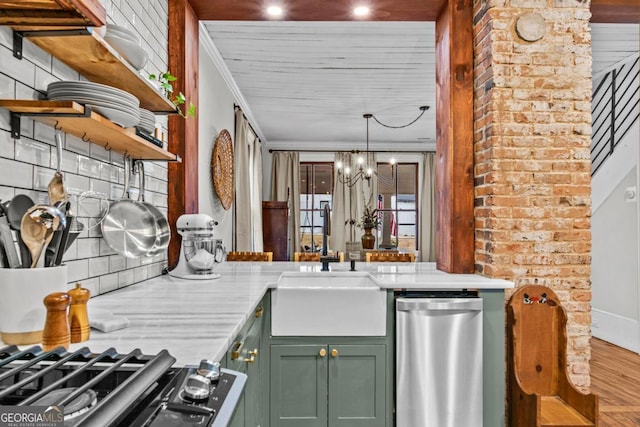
point(454, 139)
point(183, 133)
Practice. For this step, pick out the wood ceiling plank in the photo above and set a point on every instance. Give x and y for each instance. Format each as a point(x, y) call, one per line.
point(615, 11)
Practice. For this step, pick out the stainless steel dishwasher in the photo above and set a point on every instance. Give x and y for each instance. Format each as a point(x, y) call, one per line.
point(438, 361)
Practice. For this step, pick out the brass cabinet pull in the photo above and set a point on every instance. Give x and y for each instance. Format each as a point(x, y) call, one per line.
point(236, 349)
point(253, 355)
point(334, 352)
point(322, 352)
point(259, 311)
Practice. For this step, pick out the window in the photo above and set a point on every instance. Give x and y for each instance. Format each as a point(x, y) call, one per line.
point(397, 204)
point(316, 189)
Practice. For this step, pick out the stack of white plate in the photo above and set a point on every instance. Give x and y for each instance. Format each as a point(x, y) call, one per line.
point(127, 44)
point(147, 122)
point(116, 105)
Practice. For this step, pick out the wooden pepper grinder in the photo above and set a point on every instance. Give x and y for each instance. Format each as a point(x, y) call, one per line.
point(78, 318)
point(56, 326)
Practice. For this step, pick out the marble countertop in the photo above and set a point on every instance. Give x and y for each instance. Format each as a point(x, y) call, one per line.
point(196, 319)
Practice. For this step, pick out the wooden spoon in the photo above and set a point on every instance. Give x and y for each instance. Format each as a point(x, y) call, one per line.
point(56, 190)
point(36, 235)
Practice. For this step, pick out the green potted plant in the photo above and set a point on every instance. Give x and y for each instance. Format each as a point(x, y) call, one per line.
point(368, 222)
point(164, 80)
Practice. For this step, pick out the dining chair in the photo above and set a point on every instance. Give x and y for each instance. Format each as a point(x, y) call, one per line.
point(387, 256)
point(249, 256)
point(306, 256)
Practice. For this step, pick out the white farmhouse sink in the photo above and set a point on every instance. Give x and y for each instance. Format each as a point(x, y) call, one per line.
point(328, 304)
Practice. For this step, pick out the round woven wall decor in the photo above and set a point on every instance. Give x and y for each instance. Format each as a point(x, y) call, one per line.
point(222, 168)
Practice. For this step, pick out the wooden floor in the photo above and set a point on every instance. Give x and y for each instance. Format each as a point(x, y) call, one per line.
point(615, 376)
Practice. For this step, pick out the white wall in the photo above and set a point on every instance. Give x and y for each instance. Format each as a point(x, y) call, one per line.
point(215, 114)
point(615, 248)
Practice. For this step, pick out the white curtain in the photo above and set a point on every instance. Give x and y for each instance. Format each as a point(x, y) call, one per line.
point(285, 186)
point(428, 208)
point(349, 202)
point(248, 187)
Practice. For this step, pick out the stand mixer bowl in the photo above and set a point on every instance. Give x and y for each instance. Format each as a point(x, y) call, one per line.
point(202, 253)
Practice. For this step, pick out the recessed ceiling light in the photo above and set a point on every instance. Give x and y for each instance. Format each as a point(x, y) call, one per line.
point(361, 11)
point(274, 11)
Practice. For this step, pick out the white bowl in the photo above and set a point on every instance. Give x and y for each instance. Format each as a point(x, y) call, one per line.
point(130, 51)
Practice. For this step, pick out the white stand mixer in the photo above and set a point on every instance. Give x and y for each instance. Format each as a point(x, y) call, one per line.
point(200, 252)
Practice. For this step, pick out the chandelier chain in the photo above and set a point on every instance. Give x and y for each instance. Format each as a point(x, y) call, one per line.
point(422, 111)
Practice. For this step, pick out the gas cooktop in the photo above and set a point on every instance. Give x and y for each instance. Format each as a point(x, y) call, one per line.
point(112, 389)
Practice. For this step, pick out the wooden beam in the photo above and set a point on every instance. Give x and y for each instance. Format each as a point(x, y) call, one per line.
point(183, 133)
point(454, 138)
point(314, 10)
point(615, 11)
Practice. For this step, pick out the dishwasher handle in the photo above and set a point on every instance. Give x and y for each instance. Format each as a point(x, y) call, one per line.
point(438, 304)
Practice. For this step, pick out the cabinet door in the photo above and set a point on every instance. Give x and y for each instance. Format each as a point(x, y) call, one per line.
point(298, 385)
point(253, 390)
point(357, 385)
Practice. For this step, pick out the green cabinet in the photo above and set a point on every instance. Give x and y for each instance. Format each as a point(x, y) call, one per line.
point(336, 385)
point(246, 356)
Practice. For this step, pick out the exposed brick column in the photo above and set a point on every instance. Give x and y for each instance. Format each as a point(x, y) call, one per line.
point(532, 162)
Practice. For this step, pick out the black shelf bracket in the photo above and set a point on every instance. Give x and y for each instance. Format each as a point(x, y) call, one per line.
point(18, 37)
point(16, 119)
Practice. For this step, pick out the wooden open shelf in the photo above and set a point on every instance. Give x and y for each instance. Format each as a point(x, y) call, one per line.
point(69, 117)
point(97, 61)
point(52, 12)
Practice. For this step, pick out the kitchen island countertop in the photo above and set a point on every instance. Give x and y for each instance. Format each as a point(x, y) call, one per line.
point(198, 319)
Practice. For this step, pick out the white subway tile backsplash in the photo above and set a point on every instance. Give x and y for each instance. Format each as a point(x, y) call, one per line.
point(44, 133)
point(30, 151)
point(117, 263)
point(75, 184)
point(102, 188)
point(7, 87)
point(105, 249)
point(6, 37)
point(108, 283)
point(125, 278)
point(69, 161)
point(88, 248)
point(77, 145)
point(140, 274)
point(6, 145)
point(98, 266)
point(133, 262)
point(26, 92)
point(27, 165)
point(77, 270)
point(100, 153)
point(4, 120)
point(43, 78)
point(36, 55)
point(88, 167)
point(6, 193)
point(16, 174)
point(108, 173)
point(63, 71)
point(23, 71)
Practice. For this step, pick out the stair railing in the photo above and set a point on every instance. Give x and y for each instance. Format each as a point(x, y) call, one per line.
point(614, 110)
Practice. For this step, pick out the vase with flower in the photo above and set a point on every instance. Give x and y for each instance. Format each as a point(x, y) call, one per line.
point(369, 221)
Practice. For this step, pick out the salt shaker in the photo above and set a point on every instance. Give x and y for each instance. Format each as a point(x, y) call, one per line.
point(78, 318)
point(56, 326)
